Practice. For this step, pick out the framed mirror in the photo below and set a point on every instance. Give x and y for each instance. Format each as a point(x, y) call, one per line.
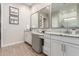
point(68, 17)
point(41, 19)
point(34, 20)
point(44, 18)
point(55, 8)
point(65, 15)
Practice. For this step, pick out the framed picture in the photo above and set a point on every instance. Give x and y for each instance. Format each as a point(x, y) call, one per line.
point(13, 15)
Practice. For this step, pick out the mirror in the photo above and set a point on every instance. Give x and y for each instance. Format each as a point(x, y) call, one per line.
point(55, 15)
point(64, 15)
point(34, 20)
point(44, 17)
point(41, 18)
point(71, 22)
point(68, 16)
point(55, 19)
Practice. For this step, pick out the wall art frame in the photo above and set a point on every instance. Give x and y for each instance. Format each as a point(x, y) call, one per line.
point(13, 15)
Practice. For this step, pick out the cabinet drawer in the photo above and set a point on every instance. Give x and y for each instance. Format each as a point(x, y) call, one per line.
point(47, 36)
point(47, 40)
point(73, 40)
point(55, 37)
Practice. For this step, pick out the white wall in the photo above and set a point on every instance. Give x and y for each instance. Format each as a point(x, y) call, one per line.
point(12, 34)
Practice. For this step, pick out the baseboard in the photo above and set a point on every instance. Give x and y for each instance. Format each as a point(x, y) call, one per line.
point(28, 43)
point(45, 54)
point(10, 44)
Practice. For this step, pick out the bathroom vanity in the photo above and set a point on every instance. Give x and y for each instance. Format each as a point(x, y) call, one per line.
point(61, 42)
point(64, 45)
point(56, 44)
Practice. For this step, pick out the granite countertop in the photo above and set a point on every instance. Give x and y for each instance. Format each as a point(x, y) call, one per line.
point(63, 34)
point(57, 33)
point(38, 33)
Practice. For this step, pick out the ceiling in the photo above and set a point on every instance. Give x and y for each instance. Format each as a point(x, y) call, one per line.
point(30, 4)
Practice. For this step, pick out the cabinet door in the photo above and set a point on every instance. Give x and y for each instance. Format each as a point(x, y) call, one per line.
point(46, 47)
point(56, 48)
point(28, 37)
point(71, 50)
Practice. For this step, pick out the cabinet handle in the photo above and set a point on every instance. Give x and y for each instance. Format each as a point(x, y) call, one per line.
point(63, 47)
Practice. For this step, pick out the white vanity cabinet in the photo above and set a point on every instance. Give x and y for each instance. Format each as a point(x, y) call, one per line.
point(64, 46)
point(46, 47)
point(61, 49)
point(71, 50)
point(56, 48)
point(28, 37)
